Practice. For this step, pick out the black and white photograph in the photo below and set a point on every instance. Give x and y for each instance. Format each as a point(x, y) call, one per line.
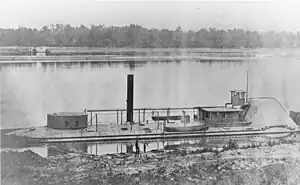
point(173, 92)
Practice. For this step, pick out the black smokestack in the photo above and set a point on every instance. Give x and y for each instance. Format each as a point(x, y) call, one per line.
point(129, 98)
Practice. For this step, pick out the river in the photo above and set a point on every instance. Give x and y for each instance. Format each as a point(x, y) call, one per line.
point(29, 92)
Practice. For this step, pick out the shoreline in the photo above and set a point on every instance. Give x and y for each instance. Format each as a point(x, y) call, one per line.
point(112, 58)
point(238, 166)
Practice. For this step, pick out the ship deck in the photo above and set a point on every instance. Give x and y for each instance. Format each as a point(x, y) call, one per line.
point(166, 136)
point(114, 133)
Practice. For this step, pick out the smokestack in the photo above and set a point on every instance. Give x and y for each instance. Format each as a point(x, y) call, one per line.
point(130, 98)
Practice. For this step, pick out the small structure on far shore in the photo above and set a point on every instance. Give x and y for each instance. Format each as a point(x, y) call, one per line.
point(67, 120)
point(40, 51)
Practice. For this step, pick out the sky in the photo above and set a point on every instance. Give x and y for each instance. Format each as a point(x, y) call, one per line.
point(260, 15)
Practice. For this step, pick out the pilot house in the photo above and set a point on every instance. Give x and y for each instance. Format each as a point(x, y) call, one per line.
point(230, 114)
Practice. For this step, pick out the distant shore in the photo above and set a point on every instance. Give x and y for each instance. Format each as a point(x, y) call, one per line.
point(112, 58)
point(85, 54)
point(63, 51)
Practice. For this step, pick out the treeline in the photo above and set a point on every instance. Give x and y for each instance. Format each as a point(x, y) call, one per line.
point(136, 36)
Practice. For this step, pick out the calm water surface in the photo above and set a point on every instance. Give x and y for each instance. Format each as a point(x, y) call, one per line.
point(29, 92)
point(95, 148)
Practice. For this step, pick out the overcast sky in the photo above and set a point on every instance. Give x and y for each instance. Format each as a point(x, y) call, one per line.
point(261, 15)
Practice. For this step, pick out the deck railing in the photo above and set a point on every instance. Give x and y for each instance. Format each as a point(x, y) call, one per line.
point(140, 115)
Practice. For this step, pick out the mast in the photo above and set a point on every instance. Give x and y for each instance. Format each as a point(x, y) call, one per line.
point(247, 88)
point(1, 108)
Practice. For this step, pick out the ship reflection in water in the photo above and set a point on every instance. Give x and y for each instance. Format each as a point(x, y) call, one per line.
point(100, 148)
point(95, 148)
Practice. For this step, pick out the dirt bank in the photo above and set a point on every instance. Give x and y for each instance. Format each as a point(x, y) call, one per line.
point(267, 165)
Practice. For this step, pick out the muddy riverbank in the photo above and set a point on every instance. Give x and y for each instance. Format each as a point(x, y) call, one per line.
point(279, 164)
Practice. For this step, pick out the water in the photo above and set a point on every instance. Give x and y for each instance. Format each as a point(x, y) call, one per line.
point(96, 148)
point(30, 91)
point(102, 148)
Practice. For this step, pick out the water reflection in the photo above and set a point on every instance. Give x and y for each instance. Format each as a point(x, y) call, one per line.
point(133, 64)
point(17, 65)
point(101, 149)
point(100, 64)
point(96, 148)
point(50, 65)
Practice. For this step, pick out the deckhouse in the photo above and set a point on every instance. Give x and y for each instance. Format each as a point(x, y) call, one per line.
point(232, 114)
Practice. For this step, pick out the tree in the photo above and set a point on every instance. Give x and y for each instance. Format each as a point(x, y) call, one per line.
point(137, 36)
